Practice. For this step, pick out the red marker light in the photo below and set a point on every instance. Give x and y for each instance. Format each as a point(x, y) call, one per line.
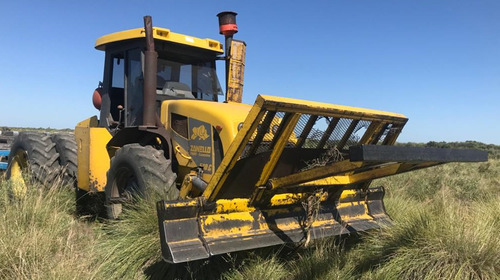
point(97, 99)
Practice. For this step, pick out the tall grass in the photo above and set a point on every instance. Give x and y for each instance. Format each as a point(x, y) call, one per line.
point(325, 259)
point(130, 249)
point(443, 239)
point(463, 181)
point(256, 267)
point(40, 238)
point(446, 222)
point(129, 244)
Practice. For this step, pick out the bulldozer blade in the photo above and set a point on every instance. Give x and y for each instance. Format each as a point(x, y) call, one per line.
point(296, 170)
point(191, 230)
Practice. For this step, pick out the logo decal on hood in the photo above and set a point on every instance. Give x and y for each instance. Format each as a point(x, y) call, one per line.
point(199, 132)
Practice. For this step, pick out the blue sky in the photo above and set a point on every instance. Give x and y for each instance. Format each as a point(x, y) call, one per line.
point(435, 61)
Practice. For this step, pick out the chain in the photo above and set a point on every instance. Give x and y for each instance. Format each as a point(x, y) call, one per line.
point(311, 206)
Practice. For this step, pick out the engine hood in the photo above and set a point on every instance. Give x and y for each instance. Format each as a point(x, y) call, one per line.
point(226, 116)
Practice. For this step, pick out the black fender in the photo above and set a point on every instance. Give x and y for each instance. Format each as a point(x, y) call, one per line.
point(143, 136)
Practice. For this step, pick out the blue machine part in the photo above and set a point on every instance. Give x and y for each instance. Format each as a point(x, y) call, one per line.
point(4, 153)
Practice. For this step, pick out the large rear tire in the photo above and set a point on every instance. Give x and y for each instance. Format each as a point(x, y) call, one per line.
point(66, 148)
point(138, 171)
point(33, 154)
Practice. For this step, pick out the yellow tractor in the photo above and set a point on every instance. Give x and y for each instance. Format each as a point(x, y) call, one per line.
point(234, 176)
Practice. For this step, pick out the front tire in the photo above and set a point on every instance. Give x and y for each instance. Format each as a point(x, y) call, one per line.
point(137, 170)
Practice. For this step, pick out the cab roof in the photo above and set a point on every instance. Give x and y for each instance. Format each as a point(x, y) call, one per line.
point(161, 34)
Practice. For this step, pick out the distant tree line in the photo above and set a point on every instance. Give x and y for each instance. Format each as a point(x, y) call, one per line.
point(493, 150)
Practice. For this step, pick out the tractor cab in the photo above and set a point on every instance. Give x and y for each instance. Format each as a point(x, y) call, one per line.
point(186, 69)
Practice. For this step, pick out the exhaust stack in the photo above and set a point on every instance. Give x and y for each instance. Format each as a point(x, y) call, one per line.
point(227, 27)
point(150, 67)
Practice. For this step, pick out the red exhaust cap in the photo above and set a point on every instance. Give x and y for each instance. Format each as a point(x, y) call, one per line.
point(227, 23)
